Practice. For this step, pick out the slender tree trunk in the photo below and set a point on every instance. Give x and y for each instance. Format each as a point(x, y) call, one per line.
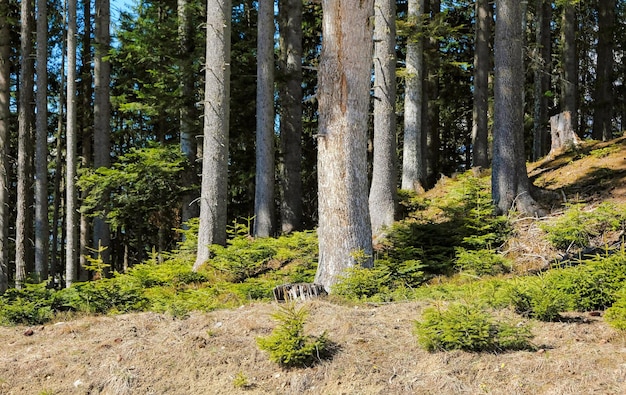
point(382, 198)
point(543, 69)
point(290, 26)
point(188, 145)
point(510, 184)
point(55, 266)
point(482, 63)
point(413, 163)
point(85, 126)
point(23, 226)
point(213, 193)
point(264, 185)
point(603, 96)
point(569, 79)
point(5, 114)
point(71, 209)
point(344, 230)
point(102, 114)
point(41, 146)
point(430, 105)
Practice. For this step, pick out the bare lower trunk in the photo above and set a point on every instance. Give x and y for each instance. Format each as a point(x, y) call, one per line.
point(5, 114)
point(482, 62)
point(344, 229)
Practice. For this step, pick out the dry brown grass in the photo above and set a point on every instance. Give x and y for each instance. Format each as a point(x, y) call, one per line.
point(154, 354)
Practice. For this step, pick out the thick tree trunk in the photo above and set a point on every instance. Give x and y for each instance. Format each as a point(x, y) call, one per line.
point(344, 231)
point(510, 184)
point(5, 114)
point(413, 162)
point(290, 26)
point(71, 214)
point(382, 198)
point(603, 96)
point(264, 179)
point(482, 62)
point(23, 225)
point(543, 68)
point(569, 79)
point(41, 146)
point(102, 114)
point(213, 194)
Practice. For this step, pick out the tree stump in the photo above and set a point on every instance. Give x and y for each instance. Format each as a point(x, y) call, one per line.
point(562, 133)
point(299, 291)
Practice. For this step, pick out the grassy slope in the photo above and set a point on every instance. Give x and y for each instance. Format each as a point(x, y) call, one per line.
point(151, 353)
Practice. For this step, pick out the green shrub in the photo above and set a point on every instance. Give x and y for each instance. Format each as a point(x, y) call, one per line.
point(616, 314)
point(32, 305)
point(538, 298)
point(468, 328)
point(288, 345)
point(104, 296)
point(383, 279)
point(481, 262)
point(576, 227)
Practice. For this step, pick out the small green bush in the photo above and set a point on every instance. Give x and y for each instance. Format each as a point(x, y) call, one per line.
point(538, 298)
point(577, 227)
point(469, 328)
point(616, 314)
point(104, 296)
point(288, 345)
point(481, 262)
point(32, 305)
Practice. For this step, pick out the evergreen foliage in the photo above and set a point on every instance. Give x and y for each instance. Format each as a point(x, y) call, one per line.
point(470, 328)
point(288, 344)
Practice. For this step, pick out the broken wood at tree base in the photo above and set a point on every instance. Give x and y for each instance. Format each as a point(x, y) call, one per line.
point(562, 133)
point(298, 291)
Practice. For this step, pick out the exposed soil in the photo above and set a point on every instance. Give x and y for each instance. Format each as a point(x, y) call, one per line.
point(216, 353)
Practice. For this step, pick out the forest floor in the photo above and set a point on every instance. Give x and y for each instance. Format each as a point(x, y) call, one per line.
point(376, 351)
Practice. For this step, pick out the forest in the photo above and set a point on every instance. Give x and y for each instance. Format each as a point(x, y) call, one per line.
point(450, 173)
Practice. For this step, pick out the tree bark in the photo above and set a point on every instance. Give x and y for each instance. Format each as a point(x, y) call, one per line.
point(41, 146)
point(569, 78)
point(482, 62)
point(413, 163)
point(510, 184)
point(71, 214)
point(562, 133)
point(5, 114)
point(213, 193)
point(603, 96)
point(382, 198)
point(290, 97)
point(102, 114)
point(543, 69)
point(23, 225)
point(264, 179)
point(344, 230)
point(430, 104)
point(188, 145)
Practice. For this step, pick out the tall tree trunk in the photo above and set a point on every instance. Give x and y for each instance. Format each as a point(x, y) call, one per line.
point(290, 97)
point(23, 226)
point(569, 79)
point(102, 115)
point(430, 104)
point(85, 126)
point(482, 62)
point(188, 145)
point(41, 146)
point(71, 209)
point(344, 230)
point(382, 198)
point(5, 114)
point(603, 96)
point(264, 179)
point(510, 184)
point(213, 193)
point(413, 163)
point(543, 69)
